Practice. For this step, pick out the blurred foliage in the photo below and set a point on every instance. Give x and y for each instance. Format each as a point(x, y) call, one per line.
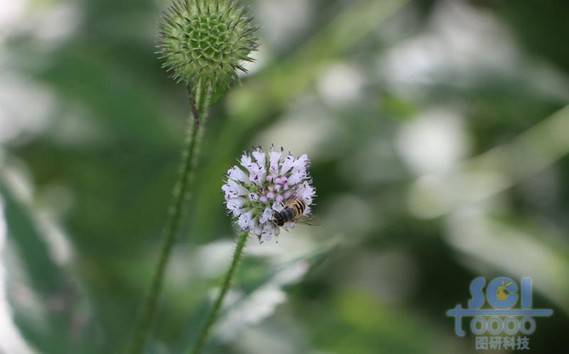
point(410, 110)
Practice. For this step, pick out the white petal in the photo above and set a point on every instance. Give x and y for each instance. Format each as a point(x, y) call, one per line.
point(308, 201)
point(235, 204)
point(260, 157)
point(267, 216)
point(257, 174)
point(245, 221)
point(257, 230)
point(250, 167)
point(233, 189)
point(296, 178)
point(269, 231)
point(274, 157)
point(287, 164)
point(301, 164)
point(305, 192)
point(278, 206)
point(227, 190)
point(237, 174)
point(245, 160)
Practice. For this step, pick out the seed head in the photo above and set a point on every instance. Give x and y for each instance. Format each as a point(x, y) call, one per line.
point(206, 41)
point(261, 185)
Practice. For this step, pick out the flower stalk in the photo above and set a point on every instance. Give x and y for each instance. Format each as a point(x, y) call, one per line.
point(214, 313)
point(202, 45)
point(180, 195)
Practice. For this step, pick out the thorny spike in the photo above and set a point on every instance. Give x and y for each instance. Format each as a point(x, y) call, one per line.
point(190, 48)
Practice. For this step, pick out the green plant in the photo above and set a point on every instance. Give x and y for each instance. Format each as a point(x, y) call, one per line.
point(202, 45)
point(257, 190)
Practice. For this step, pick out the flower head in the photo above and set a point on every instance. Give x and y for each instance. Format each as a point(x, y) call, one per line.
point(261, 185)
point(206, 40)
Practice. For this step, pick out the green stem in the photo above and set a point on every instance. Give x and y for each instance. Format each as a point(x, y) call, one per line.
point(180, 195)
point(204, 333)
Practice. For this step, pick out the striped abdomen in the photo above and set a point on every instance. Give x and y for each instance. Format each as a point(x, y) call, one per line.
point(293, 210)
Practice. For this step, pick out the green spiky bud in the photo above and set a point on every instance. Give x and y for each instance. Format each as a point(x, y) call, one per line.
point(204, 42)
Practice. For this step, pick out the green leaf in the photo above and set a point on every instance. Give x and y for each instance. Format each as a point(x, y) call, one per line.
point(40, 293)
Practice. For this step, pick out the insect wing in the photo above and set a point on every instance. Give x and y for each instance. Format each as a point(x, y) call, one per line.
point(309, 220)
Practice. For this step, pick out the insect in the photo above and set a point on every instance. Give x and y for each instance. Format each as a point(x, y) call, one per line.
point(293, 211)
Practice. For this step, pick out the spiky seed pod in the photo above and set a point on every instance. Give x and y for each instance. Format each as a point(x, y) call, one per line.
point(205, 42)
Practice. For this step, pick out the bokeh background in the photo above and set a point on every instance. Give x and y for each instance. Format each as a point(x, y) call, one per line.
point(438, 132)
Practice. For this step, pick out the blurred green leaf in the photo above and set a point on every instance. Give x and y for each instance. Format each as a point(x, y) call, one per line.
point(49, 326)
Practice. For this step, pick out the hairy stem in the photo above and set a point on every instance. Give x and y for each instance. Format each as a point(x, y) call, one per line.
point(198, 107)
point(204, 333)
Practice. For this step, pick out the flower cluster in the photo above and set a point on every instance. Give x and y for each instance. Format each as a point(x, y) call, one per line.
point(261, 185)
point(206, 40)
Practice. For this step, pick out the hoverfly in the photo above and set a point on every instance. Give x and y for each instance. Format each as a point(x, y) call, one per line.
point(293, 211)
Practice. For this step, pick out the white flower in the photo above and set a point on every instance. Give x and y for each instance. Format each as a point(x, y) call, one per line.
point(261, 185)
